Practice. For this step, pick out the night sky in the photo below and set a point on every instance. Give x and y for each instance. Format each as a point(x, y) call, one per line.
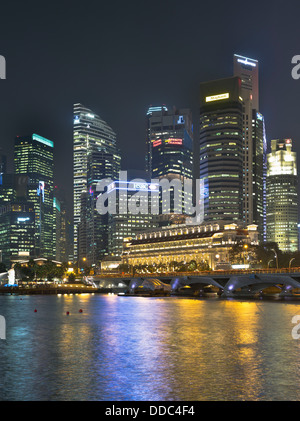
point(118, 57)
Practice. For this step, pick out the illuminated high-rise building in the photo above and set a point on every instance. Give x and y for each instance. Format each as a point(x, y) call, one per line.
point(247, 70)
point(254, 144)
point(17, 231)
point(221, 149)
point(170, 149)
point(95, 228)
point(7, 188)
point(95, 157)
point(33, 159)
point(13, 187)
point(255, 192)
point(62, 239)
point(282, 198)
point(136, 217)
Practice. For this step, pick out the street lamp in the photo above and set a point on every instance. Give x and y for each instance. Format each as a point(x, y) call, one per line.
point(269, 262)
point(293, 258)
point(78, 263)
point(275, 257)
point(245, 248)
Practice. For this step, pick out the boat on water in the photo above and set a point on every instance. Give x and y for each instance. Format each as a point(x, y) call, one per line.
point(210, 291)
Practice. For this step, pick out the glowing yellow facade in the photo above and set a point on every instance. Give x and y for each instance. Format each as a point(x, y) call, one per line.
point(282, 198)
point(207, 244)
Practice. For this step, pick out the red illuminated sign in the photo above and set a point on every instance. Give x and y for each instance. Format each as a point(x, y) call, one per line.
point(156, 143)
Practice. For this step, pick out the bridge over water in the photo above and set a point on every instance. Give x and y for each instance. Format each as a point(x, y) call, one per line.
point(283, 282)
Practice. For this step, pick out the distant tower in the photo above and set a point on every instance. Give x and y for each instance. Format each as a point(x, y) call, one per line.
point(282, 197)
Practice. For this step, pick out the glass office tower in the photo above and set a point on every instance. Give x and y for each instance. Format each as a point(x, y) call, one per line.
point(221, 149)
point(95, 157)
point(102, 164)
point(169, 147)
point(257, 189)
point(137, 217)
point(33, 158)
point(254, 144)
point(282, 198)
point(17, 231)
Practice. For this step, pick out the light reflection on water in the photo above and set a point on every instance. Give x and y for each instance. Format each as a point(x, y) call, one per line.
point(137, 348)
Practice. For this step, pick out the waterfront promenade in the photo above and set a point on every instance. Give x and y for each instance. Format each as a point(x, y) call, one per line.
point(49, 289)
point(233, 283)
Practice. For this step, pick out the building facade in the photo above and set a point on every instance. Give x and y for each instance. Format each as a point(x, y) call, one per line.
point(256, 190)
point(282, 196)
point(136, 217)
point(17, 231)
point(170, 151)
point(207, 245)
point(221, 149)
point(254, 144)
point(33, 160)
point(95, 157)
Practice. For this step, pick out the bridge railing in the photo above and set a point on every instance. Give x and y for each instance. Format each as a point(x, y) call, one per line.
point(203, 273)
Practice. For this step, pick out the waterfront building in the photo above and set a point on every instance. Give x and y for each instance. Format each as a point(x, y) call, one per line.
point(208, 245)
point(282, 197)
point(17, 231)
point(82, 228)
point(33, 159)
point(169, 151)
point(136, 217)
point(95, 157)
point(221, 149)
point(254, 144)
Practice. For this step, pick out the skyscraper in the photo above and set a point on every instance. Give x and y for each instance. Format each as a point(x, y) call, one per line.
point(96, 157)
point(257, 189)
point(254, 144)
point(102, 164)
point(33, 158)
point(17, 231)
point(247, 70)
point(221, 149)
point(170, 147)
point(282, 198)
point(129, 222)
point(154, 119)
point(61, 220)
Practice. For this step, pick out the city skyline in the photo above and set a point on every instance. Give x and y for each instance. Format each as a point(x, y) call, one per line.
point(122, 89)
point(149, 203)
point(232, 118)
point(141, 150)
